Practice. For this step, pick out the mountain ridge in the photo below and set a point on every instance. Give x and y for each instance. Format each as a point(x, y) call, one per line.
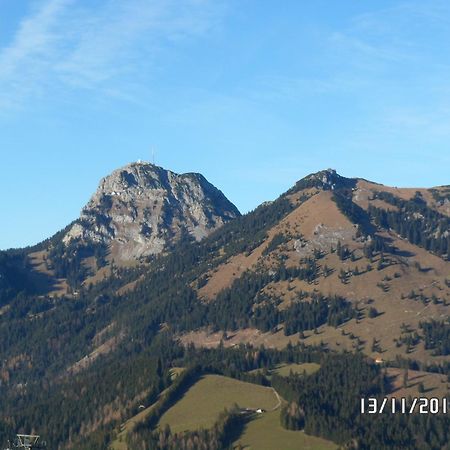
point(333, 265)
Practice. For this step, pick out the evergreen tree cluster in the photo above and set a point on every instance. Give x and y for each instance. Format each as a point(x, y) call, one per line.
point(292, 417)
point(415, 221)
point(441, 195)
point(308, 315)
point(356, 214)
point(218, 437)
point(275, 242)
point(85, 407)
point(13, 277)
point(67, 259)
point(437, 336)
point(247, 232)
point(330, 399)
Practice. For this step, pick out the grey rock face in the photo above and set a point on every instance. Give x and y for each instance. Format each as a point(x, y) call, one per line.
point(141, 209)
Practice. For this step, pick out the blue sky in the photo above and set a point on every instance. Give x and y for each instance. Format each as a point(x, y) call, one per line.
point(254, 94)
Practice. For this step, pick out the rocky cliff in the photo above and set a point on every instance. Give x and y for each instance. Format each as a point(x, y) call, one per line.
point(142, 209)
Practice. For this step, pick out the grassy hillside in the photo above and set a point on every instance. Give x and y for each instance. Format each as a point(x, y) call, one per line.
point(264, 432)
point(203, 402)
point(384, 249)
point(285, 369)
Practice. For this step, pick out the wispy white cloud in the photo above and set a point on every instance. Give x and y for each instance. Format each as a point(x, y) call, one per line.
point(66, 44)
point(394, 50)
point(358, 47)
point(429, 123)
point(105, 42)
point(359, 58)
point(34, 37)
point(31, 52)
point(295, 89)
point(403, 14)
point(395, 34)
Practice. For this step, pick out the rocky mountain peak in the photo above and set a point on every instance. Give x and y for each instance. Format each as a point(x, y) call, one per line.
point(327, 180)
point(141, 209)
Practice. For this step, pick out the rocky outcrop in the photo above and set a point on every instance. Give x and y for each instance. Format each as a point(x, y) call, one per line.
point(142, 209)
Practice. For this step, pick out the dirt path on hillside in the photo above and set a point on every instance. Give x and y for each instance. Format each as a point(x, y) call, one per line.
point(279, 401)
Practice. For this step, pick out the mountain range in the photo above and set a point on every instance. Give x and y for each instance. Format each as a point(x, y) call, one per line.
point(158, 263)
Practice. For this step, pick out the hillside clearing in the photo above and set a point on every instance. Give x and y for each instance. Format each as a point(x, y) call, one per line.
point(265, 432)
point(285, 369)
point(203, 402)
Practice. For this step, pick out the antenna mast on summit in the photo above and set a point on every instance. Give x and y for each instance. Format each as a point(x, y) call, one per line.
point(153, 156)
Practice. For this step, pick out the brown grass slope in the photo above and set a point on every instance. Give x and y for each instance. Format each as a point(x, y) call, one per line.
point(318, 224)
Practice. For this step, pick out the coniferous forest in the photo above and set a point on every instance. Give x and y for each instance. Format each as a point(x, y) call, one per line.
point(53, 381)
point(226, 225)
